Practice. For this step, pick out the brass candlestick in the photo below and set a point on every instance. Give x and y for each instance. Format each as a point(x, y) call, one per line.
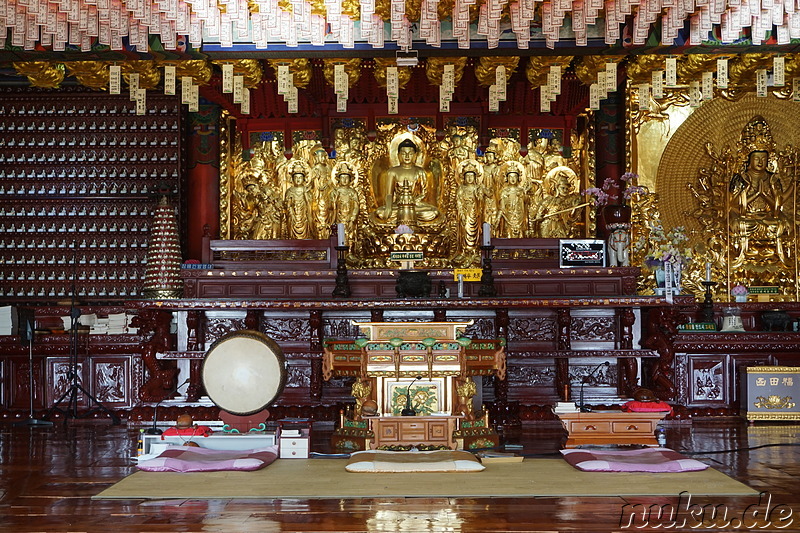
point(342, 288)
point(708, 302)
point(487, 279)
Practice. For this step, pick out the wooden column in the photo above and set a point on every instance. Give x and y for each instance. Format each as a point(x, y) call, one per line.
point(315, 346)
point(563, 342)
point(196, 324)
point(505, 415)
point(626, 366)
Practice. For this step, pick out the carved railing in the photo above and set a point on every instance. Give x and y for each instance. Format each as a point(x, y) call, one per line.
point(525, 253)
point(275, 254)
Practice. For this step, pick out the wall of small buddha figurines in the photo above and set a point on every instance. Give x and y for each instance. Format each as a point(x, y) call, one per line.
point(79, 169)
point(450, 185)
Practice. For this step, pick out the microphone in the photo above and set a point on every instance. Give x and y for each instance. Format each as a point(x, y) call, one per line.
point(154, 430)
point(583, 408)
point(409, 410)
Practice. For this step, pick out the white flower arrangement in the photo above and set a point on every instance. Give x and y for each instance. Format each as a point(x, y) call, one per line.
point(662, 247)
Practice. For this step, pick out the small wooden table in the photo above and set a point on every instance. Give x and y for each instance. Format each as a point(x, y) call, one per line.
point(411, 430)
point(611, 427)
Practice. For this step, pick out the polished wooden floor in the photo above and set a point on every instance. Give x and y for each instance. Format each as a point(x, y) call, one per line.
point(48, 476)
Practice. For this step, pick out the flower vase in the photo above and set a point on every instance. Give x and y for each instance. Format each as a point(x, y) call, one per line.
point(611, 216)
point(661, 279)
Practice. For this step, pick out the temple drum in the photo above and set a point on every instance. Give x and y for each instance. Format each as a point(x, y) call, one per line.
point(244, 372)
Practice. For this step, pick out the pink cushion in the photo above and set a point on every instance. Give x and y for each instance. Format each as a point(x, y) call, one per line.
point(640, 460)
point(193, 459)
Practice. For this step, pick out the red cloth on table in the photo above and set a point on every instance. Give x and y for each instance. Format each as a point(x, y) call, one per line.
point(634, 406)
point(194, 431)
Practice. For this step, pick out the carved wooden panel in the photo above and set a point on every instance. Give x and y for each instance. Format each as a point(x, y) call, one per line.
point(708, 379)
point(531, 375)
point(593, 328)
point(298, 370)
point(59, 381)
point(110, 380)
point(18, 371)
point(527, 329)
point(217, 327)
point(594, 376)
point(341, 328)
point(483, 328)
point(287, 329)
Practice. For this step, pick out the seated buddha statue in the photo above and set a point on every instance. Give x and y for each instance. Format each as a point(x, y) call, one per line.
point(403, 189)
point(758, 218)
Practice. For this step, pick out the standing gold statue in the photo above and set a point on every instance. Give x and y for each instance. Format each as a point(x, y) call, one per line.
point(361, 391)
point(469, 203)
point(511, 209)
point(465, 390)
point(490, 183)
point(298, 203)
point(758, 222)
point(404, 187)
point(344, 198)
point(321, 182)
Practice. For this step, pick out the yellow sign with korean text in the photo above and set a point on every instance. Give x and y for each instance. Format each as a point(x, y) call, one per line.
point(470, 274)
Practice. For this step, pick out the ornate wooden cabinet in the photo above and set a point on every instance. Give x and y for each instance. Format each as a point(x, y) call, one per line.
point(413, 430)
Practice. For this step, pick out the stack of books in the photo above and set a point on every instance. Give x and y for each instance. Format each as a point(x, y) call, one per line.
point(499, 457)
point(117, 324)
point(9, 321)
point(565, 407)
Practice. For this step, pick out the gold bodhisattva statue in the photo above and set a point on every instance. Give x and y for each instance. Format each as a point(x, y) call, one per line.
point(557, 215)
point(511, 219)
point(469, 203)
point(298, 203)
point(344, 198)
point(758, 197)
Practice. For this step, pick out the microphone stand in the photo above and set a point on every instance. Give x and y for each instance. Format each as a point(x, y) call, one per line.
point(409, 410)
point(583, 408)
point(154, 430)
point(73, 392)
point(31, 421)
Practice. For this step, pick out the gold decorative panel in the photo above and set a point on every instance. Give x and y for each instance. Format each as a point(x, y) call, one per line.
point(433, 200)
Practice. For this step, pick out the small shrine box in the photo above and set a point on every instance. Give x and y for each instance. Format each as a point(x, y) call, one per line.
point(771, 393)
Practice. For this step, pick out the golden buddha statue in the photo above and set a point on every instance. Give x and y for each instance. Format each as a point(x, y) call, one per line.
point(344, 204)
point(558, 214)
point(759, 223)
point(469, 203)
point(298, 202)
point(511, 221)
point(404, 188)
point(322, 185)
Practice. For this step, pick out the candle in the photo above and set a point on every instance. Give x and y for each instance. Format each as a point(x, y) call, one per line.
point(487, 234)
point(340, 234)
point(708, 272)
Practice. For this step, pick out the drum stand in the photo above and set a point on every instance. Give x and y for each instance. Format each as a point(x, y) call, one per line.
point(31, 421)
point(71, 394)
